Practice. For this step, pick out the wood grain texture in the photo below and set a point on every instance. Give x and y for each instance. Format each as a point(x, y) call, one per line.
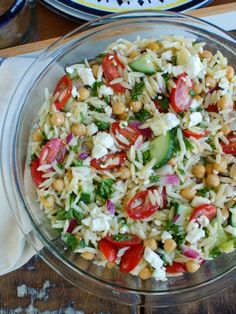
point(61, 297)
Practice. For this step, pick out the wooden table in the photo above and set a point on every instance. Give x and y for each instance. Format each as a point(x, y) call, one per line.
point(60, 296)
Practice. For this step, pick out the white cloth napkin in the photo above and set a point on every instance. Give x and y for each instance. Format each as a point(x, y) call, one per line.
point(15, 251)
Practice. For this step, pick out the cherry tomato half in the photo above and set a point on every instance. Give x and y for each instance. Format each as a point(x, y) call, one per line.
point(188, 133)
point(129, 134)
point(131, 258)
point(176, 268)
point(140, 207)
point(108, 250)
point(122, 240)
point(35, 173)
point(63, 90)
point(207, 210)
point(231, 147)
point(109, 161)
point(53, 150)
point(111, 65)
point(212, 108)
point(179, 97)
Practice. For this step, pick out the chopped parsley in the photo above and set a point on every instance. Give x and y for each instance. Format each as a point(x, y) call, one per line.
point(215, 252)
point(82, 117)
point(107, 99)
point(59, 165)
point(146, 156)
point(102, 125)
point(101, 56)
point(154, 179)
point(174, 60)
point(137, 90)
point(177, 233)
point(33, 157)
point(192, 93)
point(166, 77)
point(70, 214)
point(164, 103)
point(104, 189)
point(74, 148)
point(203, 192)
point(142, 115)
point(188, 145)
point(78, 163)
point(71, 241)
point(85, 197)
point(82, 244)
point(94, 88)
point(122, 237)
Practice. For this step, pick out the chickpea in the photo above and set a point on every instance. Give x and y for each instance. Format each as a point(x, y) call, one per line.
point(124, 173)
point(226, 129)
point(169, 245)
point(212, 181)
point(84, 93)
point(48, 202)
point(225, 102)
point(87, 255)
point(229, 72)
point(136, 106)
point(78, 129)
point(188, 193)
point(197, 87)
point(221, 167)
point(110, 265)
point(191, 266)
point(118, 108)
point(229, 204)
point(95, 68)
point(225, 213)
point(198, 171)
point(153, 46)
point(37, 136)
point(206, 54)
point(145, 273)
point(209, 169)
point(210, 82)
point(58, 185)
point(123, 116)
point(57, 118)
point(69, 175)
point(150, 243)
point(134, 54)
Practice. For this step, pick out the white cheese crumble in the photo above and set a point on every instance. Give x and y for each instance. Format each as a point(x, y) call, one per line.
point(199, 200)
point(170, 120)
point(194, 232)
point(74, 92)
point(86, 75)
point(107, 91)
point(153, 258)
point(203, 221)
point(100, 224)
point(92, 129)
point(195, 118)
point(167, 55)
point(194, 104)
point(165, 236)
point(194, 66)
point(101, 142)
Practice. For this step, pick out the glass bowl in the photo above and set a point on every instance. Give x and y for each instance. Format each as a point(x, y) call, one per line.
point(86, 42)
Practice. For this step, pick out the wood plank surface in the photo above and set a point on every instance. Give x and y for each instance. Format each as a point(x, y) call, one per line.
point(36, 288)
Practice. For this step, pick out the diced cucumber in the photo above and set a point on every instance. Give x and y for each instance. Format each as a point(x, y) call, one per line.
point(73, 73)
point(143, 64)
point(233, 217)
point(68, 104)
point(162, 149)
point(221, 236)
point(184, 211)
point(227, 247)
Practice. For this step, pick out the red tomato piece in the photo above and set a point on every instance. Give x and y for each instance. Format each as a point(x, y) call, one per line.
point(140, 207)
point(63, 91)
point(131, 258)
point(35, 173)
point(109, 161)
point(108, 250)
point(129, 133)
point(231, 147)
point(125, 240)
point(176, 268)
point(207, 210)
point(212, 108)
point(53, 150)
point(188, 133)
point(179, 97)
point(111, 65)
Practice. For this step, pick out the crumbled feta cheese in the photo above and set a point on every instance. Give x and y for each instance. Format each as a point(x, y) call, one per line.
point(199, 200)
point(102, 141)
point(108, 110)
point(86, 75)
point(195, 118)
point(107, 91)
point(92, 129)
point(194, 104)
point(124, 230)
point(157, 222)
point(231, 230)
point(167, 55)
point(194, 232)
point(100, 224)
point(69, 70)
point(165, 236)
point(153, 258)
point(159, 274)
point(170, 120)
point(98, 151)
point(203, 221)
point(194, 66)
point(74, 92)
point(224, 83)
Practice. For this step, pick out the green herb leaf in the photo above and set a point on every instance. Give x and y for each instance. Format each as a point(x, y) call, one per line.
point(102, 125)
point(142, 115)
point(164, 103)
point(137, 90)
point(33, 157)
point(192, 93)
point(104, 189)
point(71, 241)
point(122, 237)
point(166, 77)
point(203, 192)
point(101, 56)
point(215, 252)
point(154, 179)
point(78, 163)
point(177, 233)
point(82, 118)
point(188, 145)
point(82, 244)
point(74, 148)
point(174, 60)
point(85, 197)
point(146, 156)
point(94, 88)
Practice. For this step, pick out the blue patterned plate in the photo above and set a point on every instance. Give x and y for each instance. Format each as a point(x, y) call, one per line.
point(87, 9)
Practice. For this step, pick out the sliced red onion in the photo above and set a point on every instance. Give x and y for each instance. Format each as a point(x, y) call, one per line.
point(171, 179)
point(110, 207)
point(189, 252)
point(83, 155)
point(69, 138)
point(147, 132)
point(72, 225)
point(176, 218)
